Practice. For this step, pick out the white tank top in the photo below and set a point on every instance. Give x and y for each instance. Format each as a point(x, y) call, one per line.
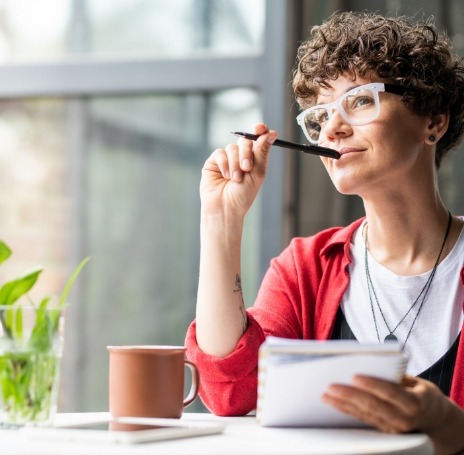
point(440, 318)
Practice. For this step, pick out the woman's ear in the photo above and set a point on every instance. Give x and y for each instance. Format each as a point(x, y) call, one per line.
point(436, 128)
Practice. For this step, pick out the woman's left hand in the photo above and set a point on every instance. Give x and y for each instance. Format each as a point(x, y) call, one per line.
point(415, 404)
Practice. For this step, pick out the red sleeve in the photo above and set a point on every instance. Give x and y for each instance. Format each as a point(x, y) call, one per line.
point(228, 385)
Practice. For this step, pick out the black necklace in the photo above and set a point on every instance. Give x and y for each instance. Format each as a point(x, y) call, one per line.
point(423, 293)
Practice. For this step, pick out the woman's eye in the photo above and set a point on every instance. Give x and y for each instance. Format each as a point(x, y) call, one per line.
point(321, 116)
point(358, 102)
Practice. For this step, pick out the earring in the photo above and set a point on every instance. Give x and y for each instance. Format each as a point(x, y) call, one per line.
point(432, 138)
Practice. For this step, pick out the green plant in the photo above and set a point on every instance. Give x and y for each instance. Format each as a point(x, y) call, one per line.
point(29, 347)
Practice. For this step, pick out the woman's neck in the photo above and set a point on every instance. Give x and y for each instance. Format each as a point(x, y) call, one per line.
point(406, 237)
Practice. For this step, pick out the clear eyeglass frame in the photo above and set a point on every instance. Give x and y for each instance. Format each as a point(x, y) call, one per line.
point(312, 128)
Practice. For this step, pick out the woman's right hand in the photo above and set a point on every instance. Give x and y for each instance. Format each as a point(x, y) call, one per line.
point(232, 176)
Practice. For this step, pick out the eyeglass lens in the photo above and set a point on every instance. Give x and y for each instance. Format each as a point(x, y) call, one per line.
point(357, 107)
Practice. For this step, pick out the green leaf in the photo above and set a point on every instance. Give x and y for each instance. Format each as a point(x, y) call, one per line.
point(42, 335)
point(5, 251)
point(44, 303)
point(12, 321)
point(12, 290)
point(70, 282)
point(52, 313)
point(17, 327)
point(8, 316)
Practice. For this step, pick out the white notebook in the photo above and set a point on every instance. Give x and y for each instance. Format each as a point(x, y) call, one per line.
point(293, 375)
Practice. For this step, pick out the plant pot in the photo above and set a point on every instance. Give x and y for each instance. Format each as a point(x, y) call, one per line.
point(31, 342)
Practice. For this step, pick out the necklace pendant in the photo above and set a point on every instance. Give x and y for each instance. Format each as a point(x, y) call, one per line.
point(390, 337)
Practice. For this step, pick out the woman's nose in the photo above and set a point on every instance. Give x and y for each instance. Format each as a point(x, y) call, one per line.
point(335, 127)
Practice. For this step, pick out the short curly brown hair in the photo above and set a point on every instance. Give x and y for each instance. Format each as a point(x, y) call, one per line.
point(400, 50)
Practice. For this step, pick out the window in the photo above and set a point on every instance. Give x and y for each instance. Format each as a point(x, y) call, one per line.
point(109, 111)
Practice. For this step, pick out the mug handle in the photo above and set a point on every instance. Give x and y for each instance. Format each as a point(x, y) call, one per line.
point(188, 400)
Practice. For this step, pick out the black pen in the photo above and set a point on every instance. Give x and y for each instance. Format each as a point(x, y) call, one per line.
point(313, 149)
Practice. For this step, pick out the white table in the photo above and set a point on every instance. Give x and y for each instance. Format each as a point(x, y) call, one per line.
point(242, 435)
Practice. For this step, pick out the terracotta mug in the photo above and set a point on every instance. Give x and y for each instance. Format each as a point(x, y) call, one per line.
point(148, 381)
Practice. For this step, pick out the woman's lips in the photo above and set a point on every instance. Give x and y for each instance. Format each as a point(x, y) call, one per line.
point(348, 150)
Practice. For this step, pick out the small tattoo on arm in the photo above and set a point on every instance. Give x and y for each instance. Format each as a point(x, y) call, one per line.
point(238, 288)
point(238, 283)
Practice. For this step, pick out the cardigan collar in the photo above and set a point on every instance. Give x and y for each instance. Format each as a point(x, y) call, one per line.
point(342, 237)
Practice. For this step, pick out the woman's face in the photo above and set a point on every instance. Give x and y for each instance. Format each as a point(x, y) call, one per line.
point(377, 156)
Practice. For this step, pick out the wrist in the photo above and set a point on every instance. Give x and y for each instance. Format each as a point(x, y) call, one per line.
point(222, 222)
point(448, 437)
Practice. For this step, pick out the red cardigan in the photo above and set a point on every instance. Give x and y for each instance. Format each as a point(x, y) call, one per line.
point(298, 298)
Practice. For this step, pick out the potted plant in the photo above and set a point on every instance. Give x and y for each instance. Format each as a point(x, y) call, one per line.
point(31, 344)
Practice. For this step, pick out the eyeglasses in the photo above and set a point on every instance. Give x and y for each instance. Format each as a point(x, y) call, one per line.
point(359, 106)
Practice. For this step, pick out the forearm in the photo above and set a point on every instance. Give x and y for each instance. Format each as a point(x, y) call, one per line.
point(220, 316)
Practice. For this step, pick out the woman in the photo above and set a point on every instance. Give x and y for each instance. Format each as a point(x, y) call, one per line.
point(388, 95)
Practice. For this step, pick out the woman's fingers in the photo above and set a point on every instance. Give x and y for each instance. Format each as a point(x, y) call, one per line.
point(383, 404)
point(414, 404)
point(262, 146)
point(397, 395)
point(246, 155)
point(235, 173)
point(370, 408)
point(360, 411)
point(243, 157)
point(233, 161)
